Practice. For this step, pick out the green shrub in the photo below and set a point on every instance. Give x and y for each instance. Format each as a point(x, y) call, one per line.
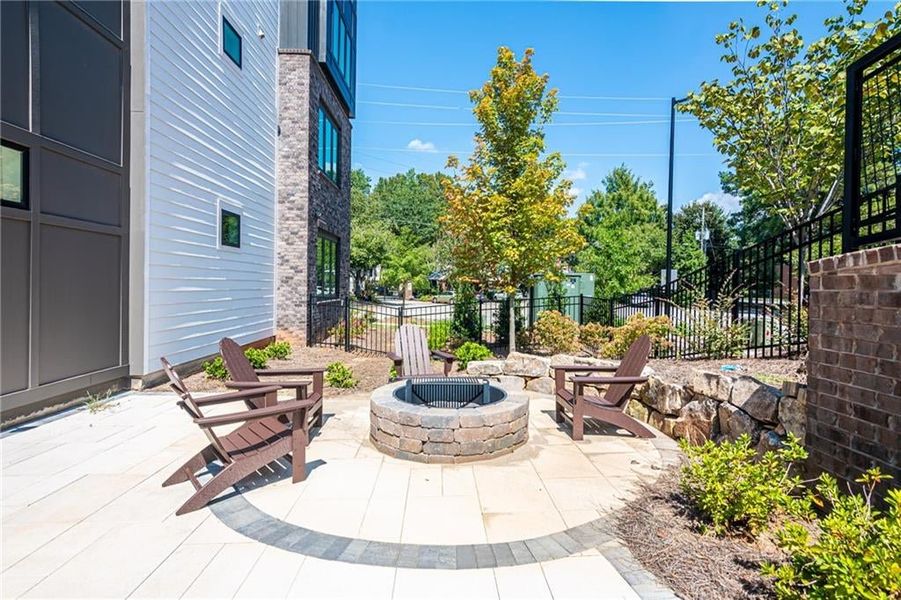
point(392, 372)
point(856, 553)
point(501, 323)
point(215, 369)
point(471, 351)
point(339, 375)
point(554, 332)
point(258, 358)
point(438, 334)
point(710, 329)
point(598, 311)
point(279, 350)
point(358, 327)
point(737, 492)
point(658, 328)
point(595, 336)
point(465, 325)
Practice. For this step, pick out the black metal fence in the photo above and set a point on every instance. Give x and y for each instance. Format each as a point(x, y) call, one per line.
point(873, 147)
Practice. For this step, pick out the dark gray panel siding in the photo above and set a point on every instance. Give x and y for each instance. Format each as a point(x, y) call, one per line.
point(14, 62)
point(14, 305)
point(293, 21)
point(77, 189)
point(107, 12)
point(81, 84)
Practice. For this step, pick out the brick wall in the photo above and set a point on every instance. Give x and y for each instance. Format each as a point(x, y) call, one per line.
point(308, 201)
point(854, 365)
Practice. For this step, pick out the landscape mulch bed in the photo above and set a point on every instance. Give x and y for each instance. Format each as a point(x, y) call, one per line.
point(667, 539)
point(768, 370)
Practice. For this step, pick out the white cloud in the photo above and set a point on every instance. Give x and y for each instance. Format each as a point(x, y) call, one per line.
point(418, 145)
point(575, 192)
point(728, 202)
point(578, 173)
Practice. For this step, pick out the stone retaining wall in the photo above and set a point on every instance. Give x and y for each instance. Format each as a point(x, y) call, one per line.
point(712, 405)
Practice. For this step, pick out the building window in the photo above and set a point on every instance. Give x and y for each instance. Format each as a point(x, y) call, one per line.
point(13, 175)
point(341, 39)
point(229, 229)
point(231, 42)
point(326, 265)
point(329, 145)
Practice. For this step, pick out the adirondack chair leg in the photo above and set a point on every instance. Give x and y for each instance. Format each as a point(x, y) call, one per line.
point(299, 441)
point(578, 422)
point(197, 462)
point(558, 413)
point(220, 482)
point(624, 421)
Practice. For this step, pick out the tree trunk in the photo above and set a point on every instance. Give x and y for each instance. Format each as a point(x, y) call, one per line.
point(512, 329)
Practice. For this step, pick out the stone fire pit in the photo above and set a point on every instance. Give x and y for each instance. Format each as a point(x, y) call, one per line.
point(447, 423)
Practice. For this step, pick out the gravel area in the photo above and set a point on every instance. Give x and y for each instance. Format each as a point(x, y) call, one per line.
point(768, 370)
point(664, 536)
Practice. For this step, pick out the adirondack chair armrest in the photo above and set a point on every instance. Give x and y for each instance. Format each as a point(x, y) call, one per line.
point(297, 371)
point(246, 385)
point(239, 395)
point(398, 361)
point(582, 381)
point(445, 356)
point(568, 368)
point(256, 414)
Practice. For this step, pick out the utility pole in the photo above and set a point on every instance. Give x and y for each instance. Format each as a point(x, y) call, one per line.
point(669, 202)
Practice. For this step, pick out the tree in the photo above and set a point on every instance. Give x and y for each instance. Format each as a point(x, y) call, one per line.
point(405, 264)
point(780, 120)
point(687, 222)
point(370, 244)
point(507, 208)
point(753, 223)
point(625, 230)
point(411, 204)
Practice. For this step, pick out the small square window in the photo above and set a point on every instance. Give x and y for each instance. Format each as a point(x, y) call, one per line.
point(13, 176)
point(229, 229)
point(231, 42)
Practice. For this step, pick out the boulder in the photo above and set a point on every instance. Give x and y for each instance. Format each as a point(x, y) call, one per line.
point(698, 421)
point(526, 365)
point(485, 368)
point(661, 422)
point(511, 383)
point(667, 398)
point(793, 413)
point(637, 410)
point(734, 422)
point(569, 359)
point(769, 441)
point(542, 385)
point(711, 384)
point(756, 398)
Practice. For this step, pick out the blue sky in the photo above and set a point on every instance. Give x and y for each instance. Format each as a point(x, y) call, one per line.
point(613, 62)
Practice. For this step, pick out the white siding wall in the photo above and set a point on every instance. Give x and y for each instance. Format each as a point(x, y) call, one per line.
point(211, 135)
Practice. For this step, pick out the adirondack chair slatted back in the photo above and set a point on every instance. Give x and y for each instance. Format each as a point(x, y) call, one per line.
point(413, 348)
point(188, 404)
point(240, 369)
point(632, 365)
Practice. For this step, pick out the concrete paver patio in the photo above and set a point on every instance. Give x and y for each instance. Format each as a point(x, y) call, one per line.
point(84, 514)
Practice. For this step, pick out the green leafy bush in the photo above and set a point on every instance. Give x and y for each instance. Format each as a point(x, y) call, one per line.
point(501, 323)
point(438, 334)
point(358, 327)
point(215, 369)
point(465, 325)
point(658, 328)
point(554, 332)
point(471, 351)
point(279, 350)
point(258, 358)
point(856, 553)
point(339, 375)
point(710, 329)
point(595, 336)
point(734, 491)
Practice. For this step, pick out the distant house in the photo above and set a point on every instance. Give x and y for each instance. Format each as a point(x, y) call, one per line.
point(173, 172)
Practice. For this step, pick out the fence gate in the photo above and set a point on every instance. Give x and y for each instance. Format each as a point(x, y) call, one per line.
point(873, 148)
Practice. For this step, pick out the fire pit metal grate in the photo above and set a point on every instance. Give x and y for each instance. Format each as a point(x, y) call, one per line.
point(449, 392)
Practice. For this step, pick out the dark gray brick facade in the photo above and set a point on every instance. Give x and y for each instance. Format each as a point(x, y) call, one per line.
point(308, 201)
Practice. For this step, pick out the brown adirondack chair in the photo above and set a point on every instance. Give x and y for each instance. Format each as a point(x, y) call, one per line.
point(262, 437)
point(412, 357)
point(245, 377)
point(611, 406)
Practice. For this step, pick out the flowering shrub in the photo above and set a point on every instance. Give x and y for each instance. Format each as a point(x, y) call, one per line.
point(555, 332)
point(658, 328)
point(594, 336)
point(471, 351)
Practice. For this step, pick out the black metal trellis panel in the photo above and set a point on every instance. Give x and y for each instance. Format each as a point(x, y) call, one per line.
point(873, 148)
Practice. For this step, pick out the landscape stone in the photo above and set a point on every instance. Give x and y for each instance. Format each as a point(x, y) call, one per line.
point(756, 398)
point(793, 414)
point(697, 421)
point(440, 435)
point(734, 422)
point(637, 410)
point(410, 445)
point(542, 385)
point(769, 440)
point(710, 384)
point(664, 397)
point(471, 434)
point(511, 382)
point(526, 365)
point(485, 368)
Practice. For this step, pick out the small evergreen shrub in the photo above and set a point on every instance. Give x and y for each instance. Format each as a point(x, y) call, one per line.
point(339, 375)
point(554, 332)
point(279, 350)
point(737, 493)
point(258, 358)
point(469, 352)
point(658, 328)
point(501, 323)
point(595, 336)
point(856, 554)
point(215, 369)
point(465, 325)
point(438, 334)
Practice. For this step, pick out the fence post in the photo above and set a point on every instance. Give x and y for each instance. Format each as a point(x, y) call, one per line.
point(611, 322)
point(400, 316)
point(311, 338)
point(347, 324)
point(531, 307)
point(481, 333)
point(581, 312)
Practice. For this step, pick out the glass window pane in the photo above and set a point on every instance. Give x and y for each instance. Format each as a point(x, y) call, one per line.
point(12, 176)
point(230, 229)
point(321, 139)
point(231, 42)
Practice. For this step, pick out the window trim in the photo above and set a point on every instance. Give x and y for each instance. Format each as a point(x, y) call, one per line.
point(223, 213)
point(335, 243)
point(25, 204)
point(227, 25)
